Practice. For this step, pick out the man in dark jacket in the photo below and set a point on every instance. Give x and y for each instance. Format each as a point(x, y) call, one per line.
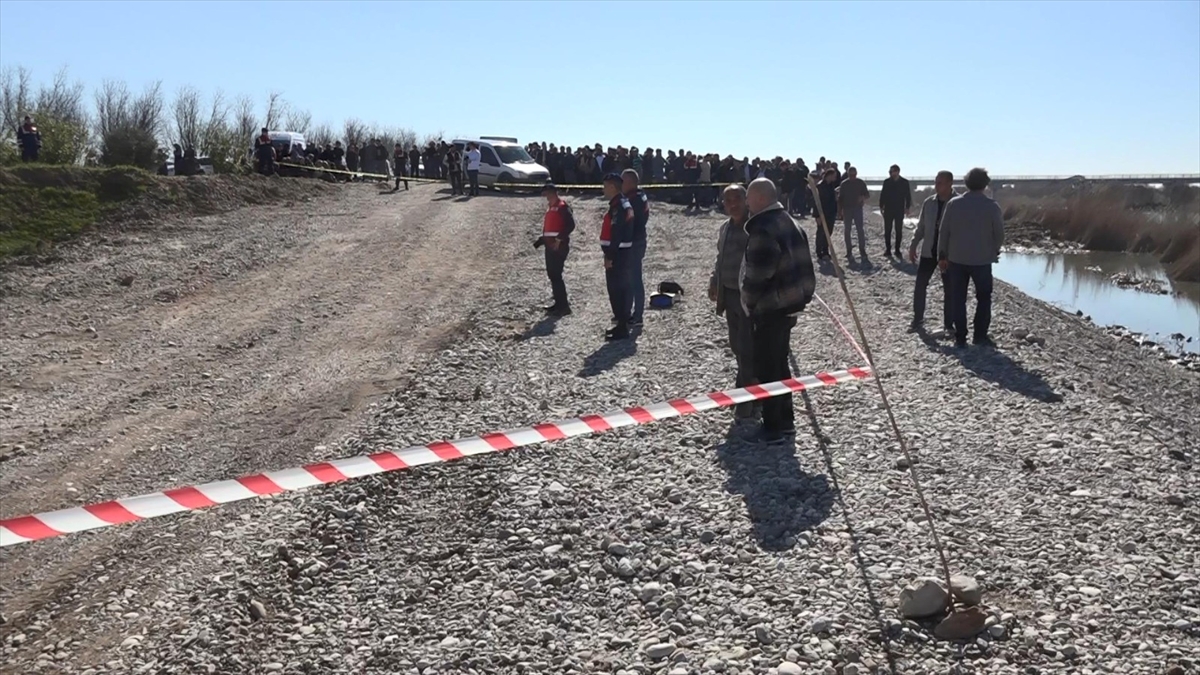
point(29, 139)
point(895, 202)
point(414, 161)
point(399, 158)
point(616, 240)
point(827, 197)
point(777, 282)
point(637, 254)
point(723, 289)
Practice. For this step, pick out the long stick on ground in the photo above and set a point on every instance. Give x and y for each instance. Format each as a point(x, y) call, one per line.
point(866, 344)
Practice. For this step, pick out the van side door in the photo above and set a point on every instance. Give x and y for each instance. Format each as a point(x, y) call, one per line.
point(489, 165)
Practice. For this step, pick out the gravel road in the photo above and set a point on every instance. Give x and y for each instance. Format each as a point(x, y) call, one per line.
point(1061, 467)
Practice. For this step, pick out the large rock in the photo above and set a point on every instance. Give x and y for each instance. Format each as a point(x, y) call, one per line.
point(966, 589)
point(962, 624)
point(923, 597)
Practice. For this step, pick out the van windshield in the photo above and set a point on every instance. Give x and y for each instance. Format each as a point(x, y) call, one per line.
point(513, 154)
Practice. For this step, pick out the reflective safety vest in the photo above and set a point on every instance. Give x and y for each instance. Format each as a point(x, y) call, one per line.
point(617, 224)
point(554, 224)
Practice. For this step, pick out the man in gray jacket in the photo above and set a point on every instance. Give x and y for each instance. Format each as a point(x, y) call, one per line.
point(971, 235)
point(723, 289)
point(926, 236)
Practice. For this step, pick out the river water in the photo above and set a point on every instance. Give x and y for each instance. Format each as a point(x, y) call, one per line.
point(1081, 282)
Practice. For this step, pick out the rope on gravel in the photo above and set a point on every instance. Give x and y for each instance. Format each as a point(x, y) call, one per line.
point(866, 351)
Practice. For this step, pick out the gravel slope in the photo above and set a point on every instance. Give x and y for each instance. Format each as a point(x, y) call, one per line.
point(1062, 477)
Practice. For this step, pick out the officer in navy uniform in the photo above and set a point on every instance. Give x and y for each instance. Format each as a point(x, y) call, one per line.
point(557, 226)
point(616, 240)
point(641, 216)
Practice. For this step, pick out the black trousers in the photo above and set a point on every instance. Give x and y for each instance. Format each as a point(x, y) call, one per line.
point(457, 185)
point(617, 279)
point(925, 270)
point(772, 344)
point(556, 262)
point(822, 240)
point(893, 220)
point(400, 176)
point(981, 276)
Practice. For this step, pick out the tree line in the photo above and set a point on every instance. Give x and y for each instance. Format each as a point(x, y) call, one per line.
point(118, 126)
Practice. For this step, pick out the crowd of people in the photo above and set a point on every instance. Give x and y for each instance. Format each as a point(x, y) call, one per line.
point(764, 275)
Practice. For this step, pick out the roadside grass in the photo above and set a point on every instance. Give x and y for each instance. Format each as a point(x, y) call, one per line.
point(1104, 221)
point(41, 205)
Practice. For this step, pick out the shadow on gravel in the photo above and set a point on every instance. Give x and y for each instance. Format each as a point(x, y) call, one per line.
point(608, 355)
point(905, 267)
point(543, 328)
point(995, 366)
point(781, 499)
point(851, 527)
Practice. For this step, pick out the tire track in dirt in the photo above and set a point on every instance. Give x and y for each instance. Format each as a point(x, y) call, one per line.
point(246, 374)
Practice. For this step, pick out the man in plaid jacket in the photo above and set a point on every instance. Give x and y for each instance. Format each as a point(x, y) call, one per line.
point(777, 282)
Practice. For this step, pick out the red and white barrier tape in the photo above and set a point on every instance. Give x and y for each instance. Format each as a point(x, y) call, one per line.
point(104, 514)
point(842, 327)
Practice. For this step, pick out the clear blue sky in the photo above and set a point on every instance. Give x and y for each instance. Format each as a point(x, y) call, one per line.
point(1021, 88)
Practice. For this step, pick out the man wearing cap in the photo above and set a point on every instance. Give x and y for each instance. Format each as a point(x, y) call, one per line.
point(557, 226)
point(641, 216)
point(616, 240)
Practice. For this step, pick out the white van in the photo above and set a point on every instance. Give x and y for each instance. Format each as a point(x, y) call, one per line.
point(282, 141)
point(503, 160)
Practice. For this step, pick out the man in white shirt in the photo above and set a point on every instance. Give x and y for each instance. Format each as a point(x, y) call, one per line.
point(473, 159)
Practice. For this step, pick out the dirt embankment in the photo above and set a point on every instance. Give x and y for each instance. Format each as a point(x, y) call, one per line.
point(41, 205)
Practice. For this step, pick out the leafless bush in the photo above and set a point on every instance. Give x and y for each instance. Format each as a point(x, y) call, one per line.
point(298, 120)
point(355, 132)
point(186, 109)
point(322, 134)
point(128, 126)
point(276, 108)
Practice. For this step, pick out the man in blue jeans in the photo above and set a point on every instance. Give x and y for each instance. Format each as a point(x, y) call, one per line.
point(637, 254)
point(971, 235)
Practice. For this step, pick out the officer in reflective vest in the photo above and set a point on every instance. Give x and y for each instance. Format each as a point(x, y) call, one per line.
point(616, 240)
point(557, 226)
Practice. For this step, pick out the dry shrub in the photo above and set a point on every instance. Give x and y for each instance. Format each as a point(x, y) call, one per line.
point(1102, 221)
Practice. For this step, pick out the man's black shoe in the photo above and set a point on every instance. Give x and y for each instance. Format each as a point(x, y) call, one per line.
point(769, 437)
point(635, 322)
point(984, 342)
point(916, 326)
point(617, 334)
point(555, 310)
point(960, 344)
point(887, 253)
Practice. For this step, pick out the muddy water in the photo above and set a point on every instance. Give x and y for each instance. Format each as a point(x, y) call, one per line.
point(1081, 282)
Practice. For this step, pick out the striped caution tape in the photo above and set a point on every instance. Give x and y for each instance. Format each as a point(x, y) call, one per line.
point(23, 529)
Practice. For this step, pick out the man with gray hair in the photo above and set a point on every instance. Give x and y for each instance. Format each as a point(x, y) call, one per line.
point(971, 235)
point(777, 282)
point(723, 289)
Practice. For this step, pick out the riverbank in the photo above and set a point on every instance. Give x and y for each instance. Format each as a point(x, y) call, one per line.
point(1114, 219)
